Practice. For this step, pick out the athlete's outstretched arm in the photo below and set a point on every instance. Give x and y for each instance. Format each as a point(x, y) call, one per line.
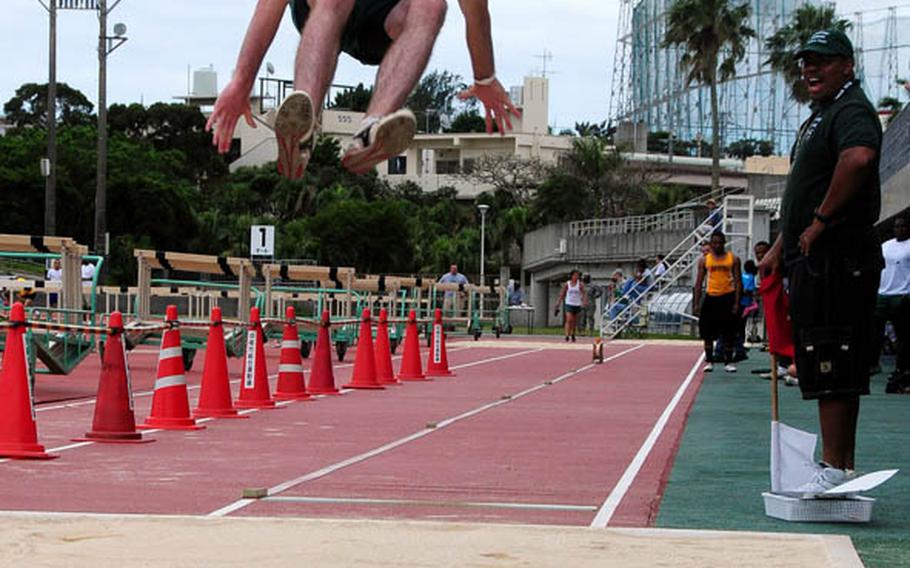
point(486, 87)
point(234, 100)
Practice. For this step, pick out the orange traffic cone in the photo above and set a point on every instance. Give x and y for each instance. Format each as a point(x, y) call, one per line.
point(18, 431)
point(254, 383)
point(322, 379)
point(291, 385)
point(170, 403)
point(364, 374)
point(437, 360)
point(215, 394)
point(382, 354)
point(411, 369)
point(114, 421)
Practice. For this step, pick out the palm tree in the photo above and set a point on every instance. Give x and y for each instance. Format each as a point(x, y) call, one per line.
point(713, 35)
point(807, 19)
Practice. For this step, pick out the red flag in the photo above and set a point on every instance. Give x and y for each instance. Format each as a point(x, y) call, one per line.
point(777, 315)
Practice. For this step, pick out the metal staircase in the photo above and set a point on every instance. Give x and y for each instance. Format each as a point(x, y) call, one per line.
point(632, 312)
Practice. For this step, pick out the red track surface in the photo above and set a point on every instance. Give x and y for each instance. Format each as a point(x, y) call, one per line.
point(566, 444)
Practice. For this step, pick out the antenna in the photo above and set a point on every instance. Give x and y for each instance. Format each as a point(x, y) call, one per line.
point(545, 58)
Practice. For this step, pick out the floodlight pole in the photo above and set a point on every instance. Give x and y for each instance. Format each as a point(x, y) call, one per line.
point(483, 217)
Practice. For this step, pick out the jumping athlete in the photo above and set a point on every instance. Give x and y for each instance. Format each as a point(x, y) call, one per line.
point(396, 35)
point(574, 295)
point(717, 315)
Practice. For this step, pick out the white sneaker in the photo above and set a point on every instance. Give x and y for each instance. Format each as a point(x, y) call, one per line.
point(825, 478)
point(378, 140)
point(294, 122)
point(730, 368)
point(791, 381)
point(708, 367)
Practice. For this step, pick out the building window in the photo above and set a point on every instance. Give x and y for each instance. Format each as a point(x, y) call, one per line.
point(467, 165)
point(446, 166)
point(398, 165)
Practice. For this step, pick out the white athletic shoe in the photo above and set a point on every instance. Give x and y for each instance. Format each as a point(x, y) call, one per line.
point(791, 381)
point(708, 367)
point(294, 123)
point(378, 140)
point(730, 368)
point(825, 478)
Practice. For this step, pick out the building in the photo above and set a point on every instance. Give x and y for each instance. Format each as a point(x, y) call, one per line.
point(438, 160)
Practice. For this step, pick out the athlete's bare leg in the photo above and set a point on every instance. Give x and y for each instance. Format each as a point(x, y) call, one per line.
point(413, 26)
point(320, 42)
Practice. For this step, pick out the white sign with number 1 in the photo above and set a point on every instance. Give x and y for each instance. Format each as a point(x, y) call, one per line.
point(262, 240)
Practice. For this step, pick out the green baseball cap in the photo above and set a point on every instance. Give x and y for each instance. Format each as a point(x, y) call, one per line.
point(827, 42)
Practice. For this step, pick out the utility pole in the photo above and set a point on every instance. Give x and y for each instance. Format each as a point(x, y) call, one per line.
point(106, 45)
point(101, 176)
point(49, 168)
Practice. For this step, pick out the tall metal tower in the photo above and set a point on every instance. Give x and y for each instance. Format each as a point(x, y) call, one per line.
point(649, 86)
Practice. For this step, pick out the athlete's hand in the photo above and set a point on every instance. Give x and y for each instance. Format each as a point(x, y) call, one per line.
point(233, 102)
point(496, 103)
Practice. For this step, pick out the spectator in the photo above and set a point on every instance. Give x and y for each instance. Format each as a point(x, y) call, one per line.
point(829, 248)
point(760, 249)
point(54, 274)
point(748, 307)
point(717, 315)
point(594, 291)
point(516, 297)
point(451, 304)
point(893, 305)
point(660, 266)
point(26, 295)
point(712, 222)
point(573, 294)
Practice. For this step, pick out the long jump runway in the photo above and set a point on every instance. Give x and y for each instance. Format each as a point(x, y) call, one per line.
point(527, 433)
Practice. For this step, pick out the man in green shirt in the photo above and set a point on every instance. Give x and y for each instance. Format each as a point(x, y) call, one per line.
point(829, 249)
point(396, 35)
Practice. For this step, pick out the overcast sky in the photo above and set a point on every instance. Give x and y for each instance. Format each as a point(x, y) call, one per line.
point(166, 36)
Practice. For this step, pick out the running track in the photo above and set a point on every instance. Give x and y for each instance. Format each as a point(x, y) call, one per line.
point(523, 434)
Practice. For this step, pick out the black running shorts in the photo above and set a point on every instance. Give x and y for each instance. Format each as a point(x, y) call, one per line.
point(716, 318)
point(832, 301)
point(364, 37)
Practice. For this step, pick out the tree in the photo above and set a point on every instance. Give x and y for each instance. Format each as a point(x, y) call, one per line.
point(468, 121)
point(433, 97)
point(591, 129)
point(28, 107)
point(561, 198)
point(786, 41)
point(748, 147)
point(518, 177)
point(713, 37)
point(356, 99)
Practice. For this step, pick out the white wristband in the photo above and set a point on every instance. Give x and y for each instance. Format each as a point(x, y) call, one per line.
point(486, 82)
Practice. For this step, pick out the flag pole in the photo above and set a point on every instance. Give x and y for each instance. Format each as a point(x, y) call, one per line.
point(775, 409)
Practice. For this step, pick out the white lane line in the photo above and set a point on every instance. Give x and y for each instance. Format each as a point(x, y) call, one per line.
point(606, 511)
point(241, 503)
point(430, 503)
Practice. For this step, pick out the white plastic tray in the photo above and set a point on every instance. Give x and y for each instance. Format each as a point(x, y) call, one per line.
point(851, 510)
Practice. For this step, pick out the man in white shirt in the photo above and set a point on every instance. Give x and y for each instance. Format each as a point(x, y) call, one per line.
point(893, 304)
point(88, 278)
point(451, 304)
point(54, 274)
